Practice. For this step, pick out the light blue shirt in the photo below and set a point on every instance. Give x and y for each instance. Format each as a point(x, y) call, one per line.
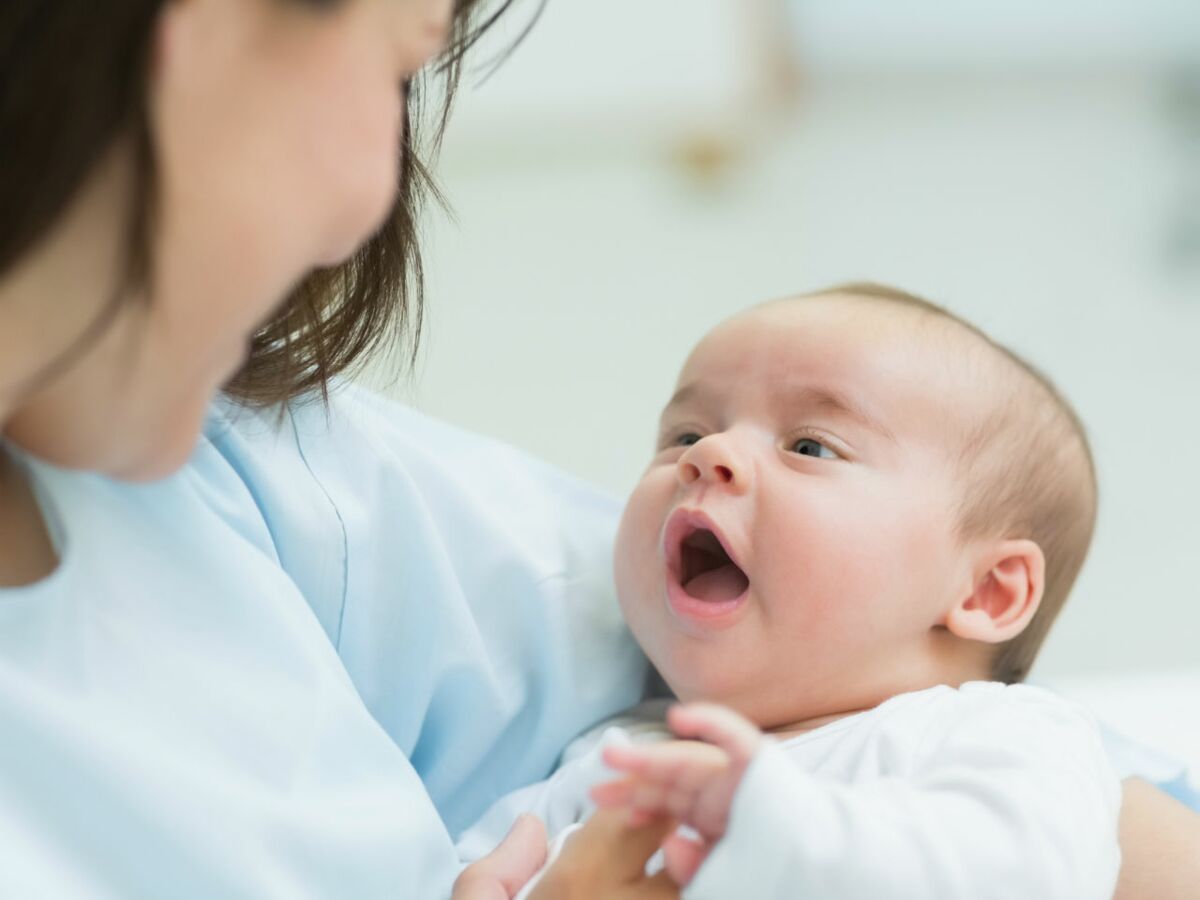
point(302, 665)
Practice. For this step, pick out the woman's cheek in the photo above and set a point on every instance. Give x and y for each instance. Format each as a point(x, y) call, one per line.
point(359, 173)
point(368, 196)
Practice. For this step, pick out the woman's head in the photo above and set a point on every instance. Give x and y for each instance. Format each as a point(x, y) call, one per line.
point(194, 163)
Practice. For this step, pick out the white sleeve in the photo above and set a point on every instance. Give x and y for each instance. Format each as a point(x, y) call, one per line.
point(1006, 800)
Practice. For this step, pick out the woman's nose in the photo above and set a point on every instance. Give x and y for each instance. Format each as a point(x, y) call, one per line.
point(714, 460)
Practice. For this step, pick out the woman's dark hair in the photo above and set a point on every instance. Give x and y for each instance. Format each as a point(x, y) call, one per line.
point(73, 80)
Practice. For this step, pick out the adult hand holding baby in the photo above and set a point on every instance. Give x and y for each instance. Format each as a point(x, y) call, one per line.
point(692, 781)
point(605, 860)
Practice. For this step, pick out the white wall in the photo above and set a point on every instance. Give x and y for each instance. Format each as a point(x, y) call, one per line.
point(924, 34)
point(565, 298)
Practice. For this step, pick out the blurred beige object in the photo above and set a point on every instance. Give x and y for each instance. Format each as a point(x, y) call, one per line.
point(772, 90)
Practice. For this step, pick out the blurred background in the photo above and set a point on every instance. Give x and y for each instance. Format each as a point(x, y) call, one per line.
point(640, 169)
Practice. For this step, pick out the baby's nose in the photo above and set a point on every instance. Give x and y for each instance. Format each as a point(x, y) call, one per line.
point(714, 460)
point(689, 472)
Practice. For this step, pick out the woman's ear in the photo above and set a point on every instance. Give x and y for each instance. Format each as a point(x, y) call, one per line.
point(1007, 591)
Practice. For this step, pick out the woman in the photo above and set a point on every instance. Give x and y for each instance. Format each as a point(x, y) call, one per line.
point(325, 630)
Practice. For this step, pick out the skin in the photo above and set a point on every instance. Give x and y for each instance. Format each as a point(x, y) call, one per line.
point(731, 450)
point(1160, 846)
point(692, 781)
point(842, 513)
point(805, 435)
point(235, 83)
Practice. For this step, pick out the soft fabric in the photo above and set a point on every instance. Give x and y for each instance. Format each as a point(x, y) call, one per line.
point(1170, 775)
point(1159, 707)
point(237, 678)
point(986, 791)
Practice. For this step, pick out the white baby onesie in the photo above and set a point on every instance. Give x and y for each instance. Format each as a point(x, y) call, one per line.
point(984, 791)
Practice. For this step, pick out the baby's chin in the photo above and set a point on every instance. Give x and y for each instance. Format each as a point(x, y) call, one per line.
point(768, 710)
point(691, 686)
point(691, 671)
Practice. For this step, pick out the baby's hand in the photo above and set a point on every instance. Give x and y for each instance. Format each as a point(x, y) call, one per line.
point(691, 781)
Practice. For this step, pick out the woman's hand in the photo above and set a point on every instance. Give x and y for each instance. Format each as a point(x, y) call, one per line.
point(504, 871)
point(690, 781)
point(606, 860)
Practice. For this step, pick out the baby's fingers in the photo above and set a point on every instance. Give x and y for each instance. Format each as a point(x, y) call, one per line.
point(644, 800)
point(645, 796)
point(613, 793)
point(634, 760)
point(682, 856)
point(718, 726)
point(674, 762)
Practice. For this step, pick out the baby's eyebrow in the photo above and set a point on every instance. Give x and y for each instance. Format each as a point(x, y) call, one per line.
point(812, 396)
point(684, 394)
point(835, 401)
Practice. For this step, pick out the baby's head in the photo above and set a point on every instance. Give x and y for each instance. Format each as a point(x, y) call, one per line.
point(854, 494)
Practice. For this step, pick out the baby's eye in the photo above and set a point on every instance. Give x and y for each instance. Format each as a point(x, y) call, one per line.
point(810, 447)
point(686, 439)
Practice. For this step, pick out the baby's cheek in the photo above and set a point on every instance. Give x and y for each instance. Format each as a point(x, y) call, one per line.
point(642, 521)
point(827, 583)
point(623, 550)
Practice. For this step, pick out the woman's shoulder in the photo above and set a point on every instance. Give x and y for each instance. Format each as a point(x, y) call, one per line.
point(357, 435)
point(466, 585)
point(338, 477)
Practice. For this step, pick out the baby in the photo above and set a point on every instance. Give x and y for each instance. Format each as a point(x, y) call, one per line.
point(860, 521)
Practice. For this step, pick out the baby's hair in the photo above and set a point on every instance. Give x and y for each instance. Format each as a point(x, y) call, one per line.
point(1026, 466)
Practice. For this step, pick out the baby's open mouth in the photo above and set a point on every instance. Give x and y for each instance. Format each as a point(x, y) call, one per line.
point(706, 571)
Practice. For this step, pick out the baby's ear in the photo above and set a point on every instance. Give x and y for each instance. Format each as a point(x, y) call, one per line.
point(1009, 579)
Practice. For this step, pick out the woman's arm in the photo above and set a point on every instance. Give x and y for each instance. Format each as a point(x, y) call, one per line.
point(1160, 846)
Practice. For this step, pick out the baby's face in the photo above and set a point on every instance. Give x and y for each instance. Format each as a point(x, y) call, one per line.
point(792, 548)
